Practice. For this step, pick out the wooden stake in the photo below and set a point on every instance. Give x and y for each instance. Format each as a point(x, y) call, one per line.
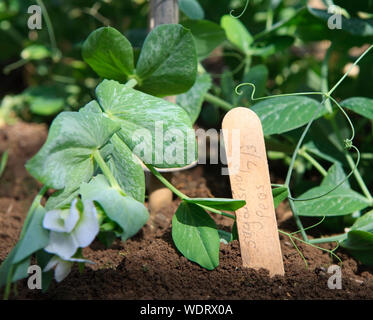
point(250, 181)
point(163, 12)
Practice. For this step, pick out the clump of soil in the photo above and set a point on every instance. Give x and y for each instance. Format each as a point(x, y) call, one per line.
point(148, 266)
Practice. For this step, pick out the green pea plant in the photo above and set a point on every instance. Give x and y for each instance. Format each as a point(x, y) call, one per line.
point(3, 162)
point(289, 120)
point(334, 198)
point(91, 159)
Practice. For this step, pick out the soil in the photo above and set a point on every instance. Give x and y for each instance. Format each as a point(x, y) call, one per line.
point(148, 266)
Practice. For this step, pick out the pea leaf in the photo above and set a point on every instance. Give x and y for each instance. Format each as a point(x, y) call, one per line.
point(143, 116)
point(65, 158)
point(360, 105)
point(109, 54)
point(227, 87)
point(192, 9)
point(35, 52)
point(43, 258)
point(272, 45)
point(339, 202)
point(128, 213)
point(61, 198)
point(127, 171)
point(125, 167)
point(360, 245)
point(35, 237)
point(323, 141)
point(191, 101)
point(225, 237)
point(195, 235)
point(283, 114)
point(168, 61)
point(335, 176)
point(44, 100)
point(6, 267)
point(279, 194)
point(207, 36)
point(364, 223)
point(20, 271)
point(219, 203)
point(237, 33)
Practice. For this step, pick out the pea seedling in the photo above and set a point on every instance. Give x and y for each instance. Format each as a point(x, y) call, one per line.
point(91, 159)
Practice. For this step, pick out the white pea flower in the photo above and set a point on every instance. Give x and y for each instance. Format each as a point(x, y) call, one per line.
point(71, 229)
point(62, 267)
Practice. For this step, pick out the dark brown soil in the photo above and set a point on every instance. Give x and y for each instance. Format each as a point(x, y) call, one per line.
point(149, 266)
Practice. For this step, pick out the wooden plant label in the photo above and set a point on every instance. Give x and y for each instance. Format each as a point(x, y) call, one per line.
point(256, 221)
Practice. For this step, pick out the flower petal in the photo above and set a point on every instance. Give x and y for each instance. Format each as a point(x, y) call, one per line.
point(53, 221)
point(87, 227)
point(62, 244)
point(81, 260)
point(62, 270)
point(51, 264)
point(73, 217)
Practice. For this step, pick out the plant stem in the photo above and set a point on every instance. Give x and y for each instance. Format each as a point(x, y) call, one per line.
point(10, 67)
point(367, 156)
point(309, 242)
point(14, 33)
point(276, 185)
point(324, 78)
point(329, 239)
point(302, 152)
point(296, 217)
point(269, 20)
point(217, 211)
point(243, 11)
point(291, 167)
point(166, 182)
point(359, 179)
point(182, 195)
point(106, 170)
point(218, 102)
point(49, 27)
point(295, 246)
point(247, 64)
point(349, 70)
point(63, 79)
point(131, 83)
point(351, 163)
point(277, 25)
